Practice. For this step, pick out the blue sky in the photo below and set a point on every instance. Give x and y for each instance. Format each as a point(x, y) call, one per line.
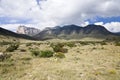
point(104, 20)
point(49, 13)
point(10, 20)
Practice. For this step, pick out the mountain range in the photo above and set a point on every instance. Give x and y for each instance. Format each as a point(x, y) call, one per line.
point(75, 32)
point(7, 33)
point(65, 32)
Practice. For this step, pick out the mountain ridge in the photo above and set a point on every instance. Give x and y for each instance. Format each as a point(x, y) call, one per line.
point(6, 32)
point(75, 32)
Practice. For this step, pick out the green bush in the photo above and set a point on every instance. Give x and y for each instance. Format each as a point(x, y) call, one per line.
point(112, 71)
point(103, 43)
point(60, 45)
point(71, 44)
point(83, 43)
point(44, 54)
point(59, 48)
point(56, 48)
point(28, 44)
point(117, 43)
point(59, 55)
point(5, 43)
point(12, 47)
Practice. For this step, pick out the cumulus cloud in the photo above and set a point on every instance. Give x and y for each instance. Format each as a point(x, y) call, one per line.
point(99, 23)
point(50, 13)
point(113, 26)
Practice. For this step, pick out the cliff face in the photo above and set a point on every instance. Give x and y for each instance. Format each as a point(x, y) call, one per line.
point(27, 30)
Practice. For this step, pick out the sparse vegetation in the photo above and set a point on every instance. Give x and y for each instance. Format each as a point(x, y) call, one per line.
point(83, 43)
point(12, 47)
point(59, 55)
point(26, 58)
point(28, 44)
point(112, 71)
point(117, 43)
point(59, 48)
point(85, 60)
point(35, 53)
point(4, 56)
point(5, 43)
point(22, 50)
point(103, 43)
point(45, 54)
point(71, 44)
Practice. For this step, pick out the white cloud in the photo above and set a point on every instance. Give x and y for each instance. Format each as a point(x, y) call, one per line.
point(99, 23)
point(59, 12)
point(13, 27)
point(85, 24)
point(113, 26)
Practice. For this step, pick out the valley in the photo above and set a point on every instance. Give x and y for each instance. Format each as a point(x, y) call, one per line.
point(87, 59)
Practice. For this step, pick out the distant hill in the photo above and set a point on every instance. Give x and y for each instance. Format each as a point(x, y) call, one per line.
point(6, 33)
point(27, 30)
point(75, 32)
point(118, 33)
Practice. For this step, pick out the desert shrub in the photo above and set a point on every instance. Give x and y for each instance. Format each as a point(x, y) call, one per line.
point(35, 52)
point(22, 50)
point(28, 44)
point(112, 71)
point(117, 43)
point(4, 70)
point(70, 44)
point(64, 50)
point(56, 48)
point(30, 48)
point(97, 73)
point(12, 47)
point(5, 43)
point(103, 43)
point(26, 58)
point(60, 45)
point(94, 48)
point(59, 55)
point(7, 63)
point(4, 56)
point(59, 48)
point(83, 43)
point(44, 54)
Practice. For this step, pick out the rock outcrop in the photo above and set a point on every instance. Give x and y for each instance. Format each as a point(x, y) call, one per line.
point(27, 30)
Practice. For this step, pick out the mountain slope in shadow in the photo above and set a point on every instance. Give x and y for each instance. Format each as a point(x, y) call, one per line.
point(5, 32)
point(75, 32)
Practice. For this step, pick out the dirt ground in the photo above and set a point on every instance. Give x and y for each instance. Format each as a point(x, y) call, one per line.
point(91, 61)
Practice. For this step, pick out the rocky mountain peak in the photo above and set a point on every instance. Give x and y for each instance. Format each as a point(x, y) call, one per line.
point(27, 30)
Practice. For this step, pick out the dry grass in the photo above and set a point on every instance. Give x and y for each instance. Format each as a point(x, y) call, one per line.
point(81, 62)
